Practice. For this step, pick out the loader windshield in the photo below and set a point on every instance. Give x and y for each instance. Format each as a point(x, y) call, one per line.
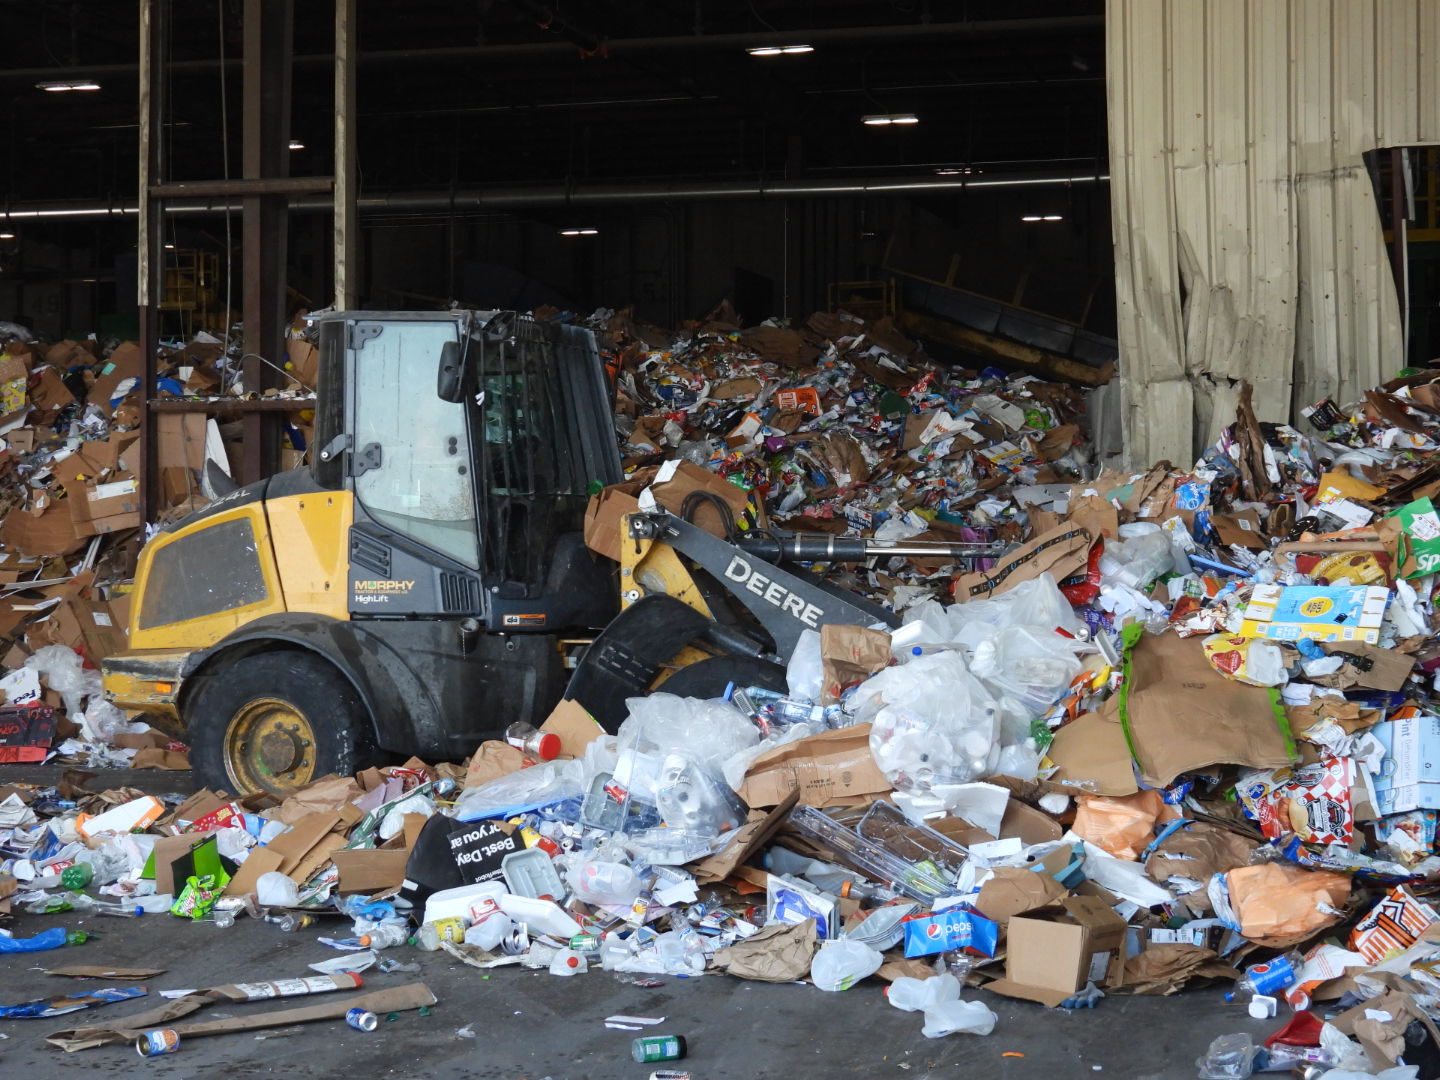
point(423, 484)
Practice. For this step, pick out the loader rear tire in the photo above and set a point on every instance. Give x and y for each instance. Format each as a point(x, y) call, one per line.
point(274, 722)
point(709, 678)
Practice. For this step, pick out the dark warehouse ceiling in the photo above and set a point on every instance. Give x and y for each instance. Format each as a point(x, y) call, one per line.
point(471, 93)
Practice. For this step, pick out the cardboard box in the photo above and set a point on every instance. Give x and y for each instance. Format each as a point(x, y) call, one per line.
point(26, 734)
point(1321, 613)
point(1048, 954)
point(834, 767)
point(1405, 780)
point(671, 483)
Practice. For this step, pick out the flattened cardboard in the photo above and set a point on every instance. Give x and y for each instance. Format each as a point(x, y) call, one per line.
point(575, 726)
point(1184, 715)
point(1060, 552)
point(604, 514)
point(1015, 890)
point(261, 860)
point(302, 838)
point(831, 768)
point(1091, 754)
point(370, 870)
point(1377, 669)
point(759, 827)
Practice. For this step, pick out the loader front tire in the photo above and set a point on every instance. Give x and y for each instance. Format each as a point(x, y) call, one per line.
point(274, 722)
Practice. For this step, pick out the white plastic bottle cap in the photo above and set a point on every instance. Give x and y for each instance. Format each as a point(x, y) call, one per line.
point(1262, 1007)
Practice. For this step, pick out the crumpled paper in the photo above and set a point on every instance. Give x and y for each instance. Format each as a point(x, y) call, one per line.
point(779, 953)
point(1165, 969)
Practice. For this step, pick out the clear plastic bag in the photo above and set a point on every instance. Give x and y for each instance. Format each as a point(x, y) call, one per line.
point(696, 799)
point(805, 674)
point(538, 784)
point(1028, 665)
point(933, 723)
point(1136, 562)
point(1037, 603)
point(706, 732)
point(842, 963)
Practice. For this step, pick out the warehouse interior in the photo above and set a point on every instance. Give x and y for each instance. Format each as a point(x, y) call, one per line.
point(651, 124)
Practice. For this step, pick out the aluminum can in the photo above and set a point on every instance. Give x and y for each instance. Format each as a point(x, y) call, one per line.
point(157, 1042)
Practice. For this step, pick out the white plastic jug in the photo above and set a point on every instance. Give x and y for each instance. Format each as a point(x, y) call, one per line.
point(958, 1017)
point(568, 962)
point(544, 916)
point(917, 995)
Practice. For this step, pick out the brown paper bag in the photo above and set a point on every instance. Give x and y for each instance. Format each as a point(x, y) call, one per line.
point(849, 655)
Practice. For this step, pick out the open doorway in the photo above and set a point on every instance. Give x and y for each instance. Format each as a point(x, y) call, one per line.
point(1407, 193)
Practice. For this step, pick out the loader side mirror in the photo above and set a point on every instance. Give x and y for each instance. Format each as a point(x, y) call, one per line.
point(449, 379)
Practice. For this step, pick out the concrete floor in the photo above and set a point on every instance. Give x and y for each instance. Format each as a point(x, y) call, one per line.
point(533, 1025)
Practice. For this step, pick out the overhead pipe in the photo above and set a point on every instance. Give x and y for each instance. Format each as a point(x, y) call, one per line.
point(551, 195)
point(1062, 24)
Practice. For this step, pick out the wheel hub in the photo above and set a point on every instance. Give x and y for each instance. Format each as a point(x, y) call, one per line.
point(269, 745)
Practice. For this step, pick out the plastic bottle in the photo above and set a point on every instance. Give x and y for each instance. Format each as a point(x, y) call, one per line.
point(295, 920)
point(155, 903)
point(385, 935)
point(431, 934)
point(1229, 1057)
point(598, 882)
point(917, 995)
point(1268, 978)
point(530, 740)
point(78, 876)
point(81, 902)
point(568, 962)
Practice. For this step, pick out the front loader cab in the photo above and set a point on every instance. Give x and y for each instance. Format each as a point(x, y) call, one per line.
point(469, 441)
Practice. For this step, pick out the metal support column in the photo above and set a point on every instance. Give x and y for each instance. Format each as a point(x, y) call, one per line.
point(269, 36)
point(150, 234)
point(347, 248)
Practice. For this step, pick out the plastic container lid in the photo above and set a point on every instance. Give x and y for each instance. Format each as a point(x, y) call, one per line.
point(547, 746)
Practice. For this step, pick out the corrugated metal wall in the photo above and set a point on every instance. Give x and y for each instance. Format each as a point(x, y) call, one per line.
point(1247, 239)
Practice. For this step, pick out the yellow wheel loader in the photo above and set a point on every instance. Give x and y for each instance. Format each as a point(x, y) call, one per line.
point(424, 582)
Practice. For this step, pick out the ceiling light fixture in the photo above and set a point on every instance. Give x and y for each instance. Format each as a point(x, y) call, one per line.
point(579, 232)
point(886, 119)
point(1031, 217)
point(7, 236)
point(72, 84)
point(1042, 217)
point(1053, 217)
point(296, 144)
point(169, 247)
point(962, 170)
point(780, 50)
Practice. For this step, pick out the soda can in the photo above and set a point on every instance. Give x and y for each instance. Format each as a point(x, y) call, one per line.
point(515, 942)
point(658, 1048)
point(362, 1019)
point(157, 1042)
